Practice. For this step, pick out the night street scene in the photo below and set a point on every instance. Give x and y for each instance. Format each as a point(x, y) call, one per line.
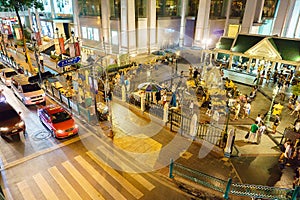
point(137, 99)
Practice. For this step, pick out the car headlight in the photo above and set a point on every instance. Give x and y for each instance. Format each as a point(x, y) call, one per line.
point(27, 98)
point(43, 95)
point(3, 128)
point(76, 126)
point(59, 131)
point(2, 99)
point(21, 123)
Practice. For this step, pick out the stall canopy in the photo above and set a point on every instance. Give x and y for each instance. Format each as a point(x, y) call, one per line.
point(281, 50)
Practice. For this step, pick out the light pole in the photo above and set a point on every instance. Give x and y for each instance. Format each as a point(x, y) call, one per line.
point(275, 92)
point(35, 47)
point(60, 53)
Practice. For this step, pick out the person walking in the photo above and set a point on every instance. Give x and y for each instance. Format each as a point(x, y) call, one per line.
point(296, 109)
point(259, 119)
point(260, 132)
point(268, 77)
point(247, 109)
point(237, 108)
point(253, 130)
point(287, 153)
point(276, 123)
point(192, 107)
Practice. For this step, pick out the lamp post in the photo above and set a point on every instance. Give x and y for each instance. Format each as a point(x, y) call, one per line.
point(60, 54)
point(275, 92)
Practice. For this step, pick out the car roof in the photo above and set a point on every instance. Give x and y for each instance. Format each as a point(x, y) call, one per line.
point(51, 109)
point(8, 70)
point(5, 106)
point(22, 79)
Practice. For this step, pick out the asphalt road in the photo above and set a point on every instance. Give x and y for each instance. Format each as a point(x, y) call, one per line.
point(87, 166)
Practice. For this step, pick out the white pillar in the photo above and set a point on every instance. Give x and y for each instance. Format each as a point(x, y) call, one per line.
point(151, 25)
point(229, 2)
point(182, 22)
point(30, 18)
point(202, 24)
point(248, 17)
point(131, 27)
point(124, 23)
point(259, 10)
point(38, 21)
point(76, 22)
point(280, 18)
point(105, 13)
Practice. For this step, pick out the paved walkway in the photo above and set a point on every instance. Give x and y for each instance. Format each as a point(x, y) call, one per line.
point(138, 140)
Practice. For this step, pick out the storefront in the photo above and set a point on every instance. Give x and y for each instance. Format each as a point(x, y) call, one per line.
point(248, 53)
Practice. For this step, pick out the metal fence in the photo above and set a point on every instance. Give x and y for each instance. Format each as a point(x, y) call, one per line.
point(207, 132)
point(227, 187)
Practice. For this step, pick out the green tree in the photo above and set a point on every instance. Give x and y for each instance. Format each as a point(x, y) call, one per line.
point(19, 5)
point(296, 89)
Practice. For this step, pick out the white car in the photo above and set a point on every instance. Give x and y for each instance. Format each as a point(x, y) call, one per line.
point(6, 75)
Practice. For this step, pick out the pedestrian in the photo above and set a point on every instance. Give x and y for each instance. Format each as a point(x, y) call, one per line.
point(260, 132)
point(296, 109)
point(191, 106)
point(181, 74)
point(258, 118)
point(276, 123)
point(275, 77)
point(164, 98)
point(216, 116)
point(253, 130)
point(282, 91)
point(247, 109)
point(208, 111)
point(237, 110)
point(268, 77)
point(191, 71)
point(287, 153)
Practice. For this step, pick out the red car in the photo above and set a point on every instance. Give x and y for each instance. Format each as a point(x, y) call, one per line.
point(58, 120)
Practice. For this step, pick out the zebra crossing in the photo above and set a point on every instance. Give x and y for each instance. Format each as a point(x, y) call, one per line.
point(85, 176)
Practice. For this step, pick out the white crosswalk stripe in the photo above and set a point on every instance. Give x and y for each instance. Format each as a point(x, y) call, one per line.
point(73, 172)
point(92, 192)
point(25, 190)
point(114, 174)
point(121, 164)
point(100, 179)
point(64, 184)
point(45, 187)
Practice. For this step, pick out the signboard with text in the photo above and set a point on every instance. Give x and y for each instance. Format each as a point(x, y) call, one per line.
point(69, 61)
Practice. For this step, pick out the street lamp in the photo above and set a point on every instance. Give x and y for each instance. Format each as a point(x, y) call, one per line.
point(35, 48)
point(275, 92)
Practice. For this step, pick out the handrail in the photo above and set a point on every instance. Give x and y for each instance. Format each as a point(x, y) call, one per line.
point(227, 187)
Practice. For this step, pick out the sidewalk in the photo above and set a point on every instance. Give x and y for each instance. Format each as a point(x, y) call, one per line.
point(132, 133)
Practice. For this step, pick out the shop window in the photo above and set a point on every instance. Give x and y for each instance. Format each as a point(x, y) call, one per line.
point(63, 7)
point(115, 8)
point(141, 8)
point(217, 9)
point(193, 6)
point(168, 8)
point(238, 8)
point(90, 33)
point(269, 8)
point(89, 7)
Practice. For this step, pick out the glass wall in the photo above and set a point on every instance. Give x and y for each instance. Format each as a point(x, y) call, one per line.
point(115, 8)
point(89, 7)
point(141, 8)
point(193, 6)
point(269, 8)
point(217, 9)
point(90, 33)
point(238, 8)
point(168, 8)
point(63, 7)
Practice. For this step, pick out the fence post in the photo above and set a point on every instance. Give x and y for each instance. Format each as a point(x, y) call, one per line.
point(227, 190)
point(171, 168)
point(295, 193)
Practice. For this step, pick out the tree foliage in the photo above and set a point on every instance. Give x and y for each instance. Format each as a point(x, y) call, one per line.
point(296, 89)
point(21, 5)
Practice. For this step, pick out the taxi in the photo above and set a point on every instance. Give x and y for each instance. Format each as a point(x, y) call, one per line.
point(58, 120)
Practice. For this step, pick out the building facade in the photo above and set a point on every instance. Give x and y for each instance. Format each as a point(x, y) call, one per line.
point(141, 26)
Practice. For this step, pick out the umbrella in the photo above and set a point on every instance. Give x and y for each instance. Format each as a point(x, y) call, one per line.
point(149, 87)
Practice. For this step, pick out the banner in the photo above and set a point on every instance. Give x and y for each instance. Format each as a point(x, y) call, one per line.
point(62, 45)
point(77, 49)
point(57, 47)
point(72, 50)
point(38, 38)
